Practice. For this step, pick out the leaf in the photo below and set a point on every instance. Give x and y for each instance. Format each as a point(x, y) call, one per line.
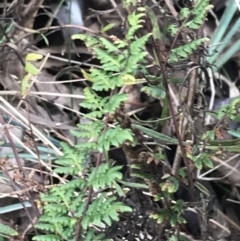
point(184, 13)
point(129, 79)
point(109, 46)
point(208, 162)
point(104, 176)
point(202, 188)
point(31, 69)
point(173, 29)
point(25, 84)
point(156, 135)
point(108, 27)
point(45, 39)
point(6, 230)
point(156, 27)
point(114, 103)
point(173, 220)
point(33, 57)
point(234, 133)
point(134, 185)
point(154, 91)
point(86, 75)
point(186, 50)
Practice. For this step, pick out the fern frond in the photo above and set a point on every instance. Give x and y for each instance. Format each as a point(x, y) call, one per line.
point(92, 100)
point(104, 176)
point(110, 47)
point(186, 50)
point(199, 14)
point(89, 40)
point(134, 20)
point(103, 80)
point(104, 209)
point(109, 62)
point(46, 227)
point(114, 137)
point(114, 103)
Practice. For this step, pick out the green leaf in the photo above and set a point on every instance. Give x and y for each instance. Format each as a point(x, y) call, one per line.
point(154, 91)
point(134, 185)
point(173, 29)
point(6, 230)
point(184, 13)
point(33, 57)
point(156, 135)
point(104, 176)
point(108, 27)
point(31, 69)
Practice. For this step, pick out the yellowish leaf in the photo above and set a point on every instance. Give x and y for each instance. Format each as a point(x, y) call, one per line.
point(129, 79)
point(31, 69)
point(86, 75)
point(25, 84)
point(33, 57)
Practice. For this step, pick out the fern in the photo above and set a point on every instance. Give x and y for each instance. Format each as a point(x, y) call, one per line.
point(199, 14)
point(103, 209)
point(197, 17)
point(186, 50)
point(80, 209)
point(114, 137)
point(103, 176)
point(79, 203)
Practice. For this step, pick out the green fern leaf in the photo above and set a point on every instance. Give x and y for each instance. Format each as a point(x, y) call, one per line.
point(67, 170)
point(91, 236)
point(88, 40)
point(76, 183)
point(110, 47)
point(114, 137)
point(92, 100)
point(199, 14)
point(104, 176)
point(109, 63)
point(94, 114)
point(45, 227)
point(134, 60)
point(114, 103)
point(137, 46)
point(105, 80)
point(135, 21)
point(186, 50)
point(58, 208)
point(95, 127)
point(103, 209)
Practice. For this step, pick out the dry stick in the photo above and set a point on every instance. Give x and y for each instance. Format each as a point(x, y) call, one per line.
point(21, 169)
point(157, 45)
point(117, 9)
point(19, 197)
point(179, 137)
point(171, 8)
point(31, 11)
point(177, 160)
point(191, 91)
